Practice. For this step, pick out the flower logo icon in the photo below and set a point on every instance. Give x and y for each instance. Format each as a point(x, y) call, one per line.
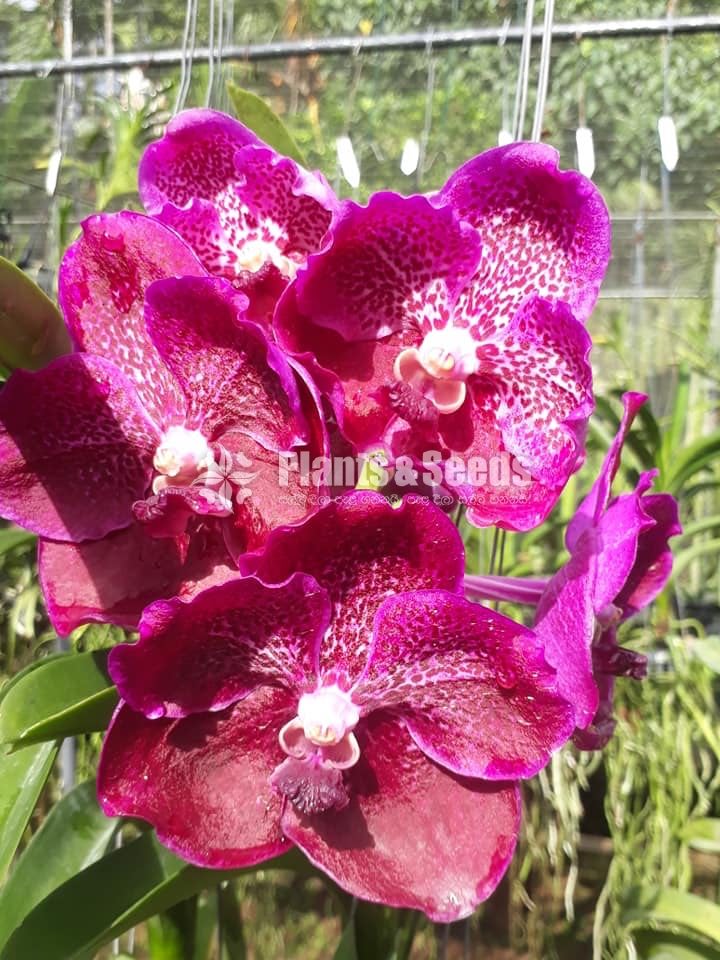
point(227, 475)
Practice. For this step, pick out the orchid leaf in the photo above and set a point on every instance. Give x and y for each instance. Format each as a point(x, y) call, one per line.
point(75, 834)
point(687, 463)
point(703, 833)
point(233, 938)
point(117, 892)
point(663, 945)
point(257, 115)
point(674, 909)
point(13, 537)
point(707, 649)
point(22, 776)
point(63, 696)
point(347, 947)
point(32, 332)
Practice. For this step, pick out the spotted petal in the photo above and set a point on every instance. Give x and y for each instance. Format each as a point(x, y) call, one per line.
point(203, 782)
point(472, 685)
point(413, 834)
point(362, 550)
point(215, 649)
point(76, 448)
point(221, 189)
point(540, 373)
point(544, 232)
point(102, 284)
point(231, 377)
point(398, 262)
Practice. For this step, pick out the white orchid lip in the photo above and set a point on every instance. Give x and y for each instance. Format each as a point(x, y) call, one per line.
point(440, 366)
point(323, 729)
point(256, 253)
point(181, 455)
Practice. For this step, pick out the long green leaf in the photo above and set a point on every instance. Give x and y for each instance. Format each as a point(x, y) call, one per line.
point(22, 777)
point(124, 888)
point(661, 906)
point(65, 695)
point(703, 833)
point(663, 945)
point(12, 537)
point(257, 115)
point(32, 332)
point(689, 462)
point(75, 834)
point(684, 558)
point(347, 947)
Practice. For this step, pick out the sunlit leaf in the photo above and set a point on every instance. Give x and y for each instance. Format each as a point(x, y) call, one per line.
point(121, 890)
point(75, 834)
point(32, 332)
point(22, 776)
point(62, 696)
point(683, 912)
point(257, 115)
point(703, 833)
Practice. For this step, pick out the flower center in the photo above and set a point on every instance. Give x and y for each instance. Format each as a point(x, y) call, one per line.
point(319, 744)
point(180, 457)
point(256, 253)
point(440, 367)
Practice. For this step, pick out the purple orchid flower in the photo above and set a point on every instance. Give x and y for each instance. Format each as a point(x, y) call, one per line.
point(251, 215)
point(347, 699)
point(619, 562)
point(452, 323)
point(147, 460)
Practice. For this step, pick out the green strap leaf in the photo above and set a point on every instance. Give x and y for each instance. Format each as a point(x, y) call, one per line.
point(662, 945)
point(685, 912)
point(23, 774)
point(347, 947)
point(60, 697)
point(703, 833)
point(32, 332)
point(257, 115)
point(75, 834)
point(12, 537)
point(121, 890)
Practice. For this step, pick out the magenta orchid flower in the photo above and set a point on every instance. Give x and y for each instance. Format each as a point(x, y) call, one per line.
point(453, 323)
point(348, 699)
point(619, 562)
point(251, 215)
point(147, 460)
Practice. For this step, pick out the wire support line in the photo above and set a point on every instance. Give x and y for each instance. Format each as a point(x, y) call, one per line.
point(336, 46)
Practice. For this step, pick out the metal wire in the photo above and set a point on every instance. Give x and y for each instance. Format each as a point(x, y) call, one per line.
point(338, 46)
point(544, 71)
point(521, 91)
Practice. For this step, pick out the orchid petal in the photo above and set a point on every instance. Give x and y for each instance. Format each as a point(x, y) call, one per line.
point(115, 578)
point(413, 835)
point(592, 507)
point(230, 375)
point(363, 550)
point(398, 262)
point(76, 448)
point(544, 232)
point(203, 782)
point(102, 284)
point(540, 370)
point(216, 648)
point(222, 189)
point(472, 685)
